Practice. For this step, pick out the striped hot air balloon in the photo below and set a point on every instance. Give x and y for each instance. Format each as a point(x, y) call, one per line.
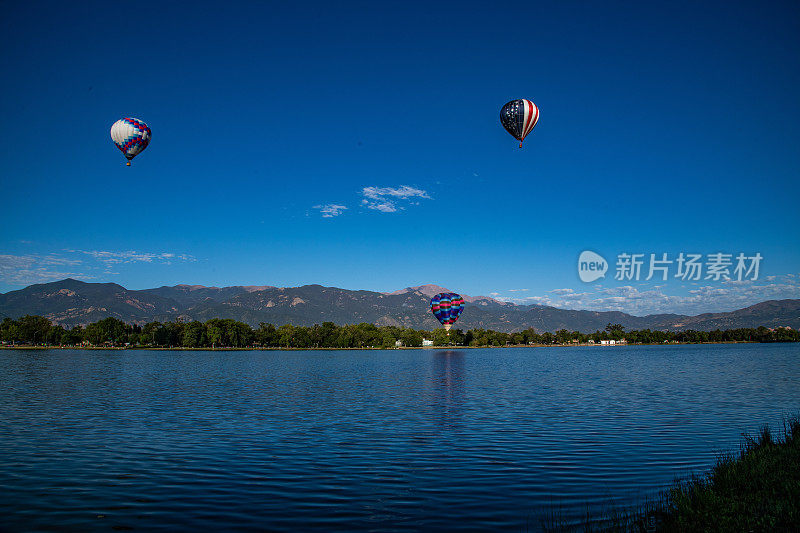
point(519, 117)
point(447, 307)
point(131, 136)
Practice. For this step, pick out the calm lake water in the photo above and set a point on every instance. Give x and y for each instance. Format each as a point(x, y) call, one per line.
point(368, 440)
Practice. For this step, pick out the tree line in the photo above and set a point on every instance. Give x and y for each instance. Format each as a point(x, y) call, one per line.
point(223, 333)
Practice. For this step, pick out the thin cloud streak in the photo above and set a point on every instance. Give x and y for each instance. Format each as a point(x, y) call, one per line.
point(132, 256)
point(330, 210)
point(389, 199)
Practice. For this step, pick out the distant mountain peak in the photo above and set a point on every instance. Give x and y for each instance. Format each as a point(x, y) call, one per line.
point(248, 288)
point(430, 290)
point(254, 288)
point(192, 287)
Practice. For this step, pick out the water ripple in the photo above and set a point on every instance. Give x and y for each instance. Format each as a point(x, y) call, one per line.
point(368, 440)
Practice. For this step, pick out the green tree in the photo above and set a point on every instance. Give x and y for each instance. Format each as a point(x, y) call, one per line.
point(194, 335)
point(215, 330)
point(411, 337)
point(267, 335)
point(109, 330)
point(33, 329)
point(286, 335)
point(615, 331)
point(440, 337)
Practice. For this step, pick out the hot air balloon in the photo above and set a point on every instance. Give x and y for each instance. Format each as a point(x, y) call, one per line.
point(519, 117)
point(131, 135)
point(447, 307)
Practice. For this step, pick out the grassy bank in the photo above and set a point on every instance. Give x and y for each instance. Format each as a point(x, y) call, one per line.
point(757, 489)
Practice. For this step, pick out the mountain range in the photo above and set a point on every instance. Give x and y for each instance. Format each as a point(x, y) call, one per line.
point(71, 302)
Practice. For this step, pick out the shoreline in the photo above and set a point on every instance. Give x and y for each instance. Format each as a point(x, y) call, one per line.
point(368, 348)
point(31, 330)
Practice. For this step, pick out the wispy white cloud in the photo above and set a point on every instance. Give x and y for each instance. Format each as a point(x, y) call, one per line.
point(330, 210)
point(537, 300)
point(643, 300)
point(390, 199)
point(383, 199)
point(79, 264)
point(132, 256)
point(32, 268)
point(562, 291)
point(383, 207)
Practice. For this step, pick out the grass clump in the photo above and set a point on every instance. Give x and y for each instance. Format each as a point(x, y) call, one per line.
point(758, 490)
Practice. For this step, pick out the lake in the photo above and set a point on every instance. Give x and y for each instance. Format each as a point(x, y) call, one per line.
point(470, 439)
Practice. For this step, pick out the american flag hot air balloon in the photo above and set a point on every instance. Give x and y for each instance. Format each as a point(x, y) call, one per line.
point(519, 117)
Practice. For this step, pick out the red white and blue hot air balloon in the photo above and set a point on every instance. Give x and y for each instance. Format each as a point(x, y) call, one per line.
point(519, 117)
point(447, 307)
point(131, 136)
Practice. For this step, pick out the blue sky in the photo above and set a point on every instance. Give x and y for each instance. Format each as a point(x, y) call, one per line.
point(663, 129)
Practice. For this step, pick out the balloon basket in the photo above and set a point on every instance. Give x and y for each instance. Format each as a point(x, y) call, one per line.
point(128, 164)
